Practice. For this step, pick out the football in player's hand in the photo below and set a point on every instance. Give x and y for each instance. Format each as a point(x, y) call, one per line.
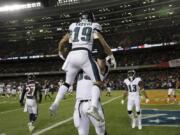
point(147, 100)
point(122, 102)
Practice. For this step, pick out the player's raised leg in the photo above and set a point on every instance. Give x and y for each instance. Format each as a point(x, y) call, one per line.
point(70, 76)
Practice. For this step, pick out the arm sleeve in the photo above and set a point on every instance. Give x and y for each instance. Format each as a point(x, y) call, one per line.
point(124, 85)
point(22, 95)
point(39, 93)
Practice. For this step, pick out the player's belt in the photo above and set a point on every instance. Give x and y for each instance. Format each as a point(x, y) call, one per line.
point(85, 77)
point(30, 97)
point(80, 48)
point(80, 102)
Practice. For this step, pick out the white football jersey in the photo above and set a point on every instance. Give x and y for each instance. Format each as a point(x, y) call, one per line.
point(133, 87)
point(82, 34)
point(84, 86)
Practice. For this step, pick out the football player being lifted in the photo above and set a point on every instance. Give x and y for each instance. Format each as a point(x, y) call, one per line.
point(133, 87)
point(82, 36)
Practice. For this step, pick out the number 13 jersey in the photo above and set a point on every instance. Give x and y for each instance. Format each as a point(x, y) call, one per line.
point(82, 34)
point(133, 87)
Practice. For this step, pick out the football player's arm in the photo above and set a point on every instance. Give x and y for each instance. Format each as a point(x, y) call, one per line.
point(141, 85)
point(62, 43)
point(22, 97)
point(124, 94)
point(106, 47)
point(39, 94)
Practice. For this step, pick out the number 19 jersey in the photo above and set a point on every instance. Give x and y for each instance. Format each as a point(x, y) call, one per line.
point(82, 34)
point(133, 87)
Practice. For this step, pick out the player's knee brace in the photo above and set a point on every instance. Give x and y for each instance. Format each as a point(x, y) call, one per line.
point(66, 85)
point(129, 112)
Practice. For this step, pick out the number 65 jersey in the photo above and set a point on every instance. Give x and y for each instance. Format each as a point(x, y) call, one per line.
point(133, 87)
point(82, 34)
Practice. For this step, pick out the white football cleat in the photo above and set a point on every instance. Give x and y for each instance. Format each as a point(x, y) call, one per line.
point(53, 108)
point(92, 111)
point(31, 127)
point(139, 126)
point(133, 123)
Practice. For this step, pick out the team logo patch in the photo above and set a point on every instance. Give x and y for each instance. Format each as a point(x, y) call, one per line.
point(156, 117)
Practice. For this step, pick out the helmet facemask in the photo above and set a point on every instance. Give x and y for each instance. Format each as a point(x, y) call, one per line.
point(87, 16)
point(131, 75)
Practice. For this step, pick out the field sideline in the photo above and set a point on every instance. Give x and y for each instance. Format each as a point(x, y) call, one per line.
point(14, 122)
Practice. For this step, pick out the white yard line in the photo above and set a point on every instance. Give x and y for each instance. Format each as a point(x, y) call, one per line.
point(152, 116)
point(67, 120)
point(161, 125)
point(3, 103)
point(23, 108)
point(11, 111)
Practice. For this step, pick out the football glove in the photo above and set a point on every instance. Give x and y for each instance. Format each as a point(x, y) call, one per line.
point(122, 102)
point(147, 100)
point(111, 60)
point(61, 55)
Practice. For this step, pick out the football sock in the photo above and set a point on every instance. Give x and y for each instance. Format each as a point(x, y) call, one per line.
point(61, 92)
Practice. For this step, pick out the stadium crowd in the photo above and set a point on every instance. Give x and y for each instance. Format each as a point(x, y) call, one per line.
point(124, 40)
point(152, 80)
point(155, 79)
point(124, 58)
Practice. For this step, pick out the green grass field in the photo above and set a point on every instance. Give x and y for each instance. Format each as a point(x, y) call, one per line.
point(13, 121)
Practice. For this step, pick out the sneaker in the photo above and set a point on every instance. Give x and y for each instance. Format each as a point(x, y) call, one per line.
point(53, 108)
point(139, 126)
point(29, 124)
point(133, 123)
point(31, 128)
point(92, 111)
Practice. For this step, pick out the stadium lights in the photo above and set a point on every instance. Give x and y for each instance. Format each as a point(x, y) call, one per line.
point(19, 7)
